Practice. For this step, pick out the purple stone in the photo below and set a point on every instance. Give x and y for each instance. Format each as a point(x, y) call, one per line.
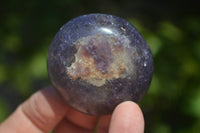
point(97, 61)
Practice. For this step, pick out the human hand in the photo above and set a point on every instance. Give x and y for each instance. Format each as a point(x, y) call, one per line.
point(45, 111)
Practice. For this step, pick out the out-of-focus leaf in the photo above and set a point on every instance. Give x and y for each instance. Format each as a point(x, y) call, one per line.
point(12, 42)
point(37, 67)
point(162, 128)
point(2, 73)
point(170, 31)
point(154, 42)
point(4, 111)
point(194, 104)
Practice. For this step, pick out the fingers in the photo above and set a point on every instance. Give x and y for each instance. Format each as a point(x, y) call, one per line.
point(67, 126)
point(104, 124)
point(77, 122)
point(127, 118)
point(40, 113)
point(82, 120)
point(45, 109)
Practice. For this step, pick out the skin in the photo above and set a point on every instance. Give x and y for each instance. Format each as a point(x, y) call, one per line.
point(45, 111)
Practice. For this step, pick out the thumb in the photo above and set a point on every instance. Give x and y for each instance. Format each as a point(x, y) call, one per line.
point(127, 118)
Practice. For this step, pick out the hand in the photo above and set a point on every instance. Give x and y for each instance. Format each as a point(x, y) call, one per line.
point(45, 111)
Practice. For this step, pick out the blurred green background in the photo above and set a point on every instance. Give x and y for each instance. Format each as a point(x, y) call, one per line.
point(171, 28)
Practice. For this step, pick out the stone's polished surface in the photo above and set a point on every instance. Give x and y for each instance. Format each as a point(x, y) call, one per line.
point(97, 61)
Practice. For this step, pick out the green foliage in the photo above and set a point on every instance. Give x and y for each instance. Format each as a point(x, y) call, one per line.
point(172, 31)
point(3, 109)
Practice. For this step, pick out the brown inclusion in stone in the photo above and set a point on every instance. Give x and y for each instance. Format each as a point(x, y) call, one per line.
point(100, 58)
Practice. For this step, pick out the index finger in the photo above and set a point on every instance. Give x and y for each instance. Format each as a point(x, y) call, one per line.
point(40, 113)
point(77, 122)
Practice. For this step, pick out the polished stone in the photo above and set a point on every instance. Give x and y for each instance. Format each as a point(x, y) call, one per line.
point(97, 61)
